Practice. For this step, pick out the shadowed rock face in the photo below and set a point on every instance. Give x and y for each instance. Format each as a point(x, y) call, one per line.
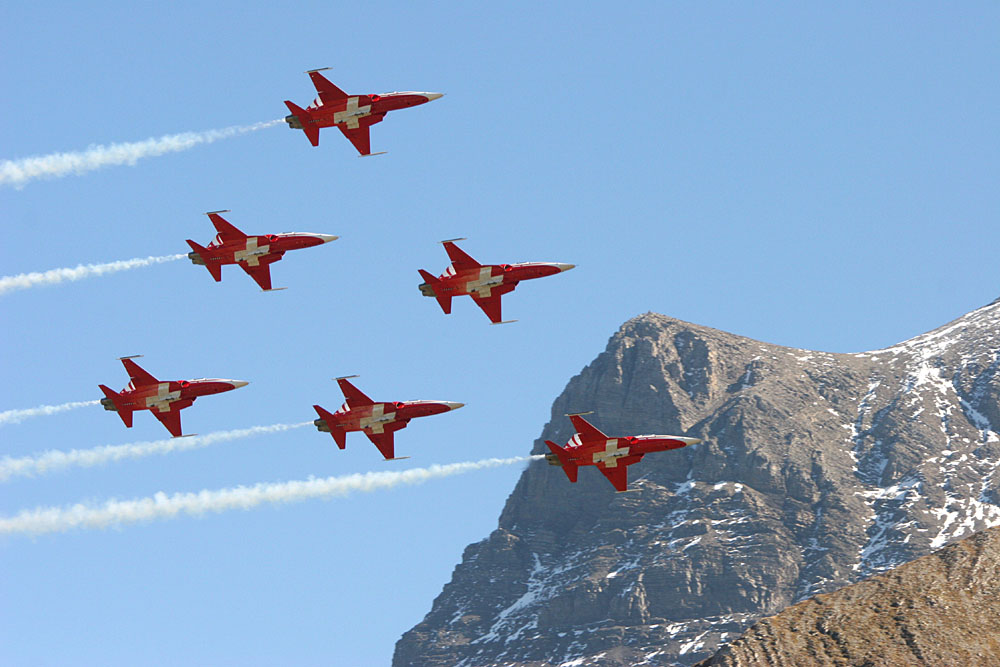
point(817, 470)
point(942, 609)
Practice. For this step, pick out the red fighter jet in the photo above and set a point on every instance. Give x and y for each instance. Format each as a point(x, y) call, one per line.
point(164, 399)
point(612, 456)
point(253, 254)
point(485, 283)
point(351, 114)
point(378, 420)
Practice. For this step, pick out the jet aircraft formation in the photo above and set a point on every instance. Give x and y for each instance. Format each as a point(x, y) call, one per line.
point(486, 284)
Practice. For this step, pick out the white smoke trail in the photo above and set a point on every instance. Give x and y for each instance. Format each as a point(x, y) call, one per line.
point(161, 506)
point(55, 276)
point(18, 416)
point(20, 172)
point(46, 462)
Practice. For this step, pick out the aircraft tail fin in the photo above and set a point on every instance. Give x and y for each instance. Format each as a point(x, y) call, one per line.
point(429, 288)
point(200, 256)
point(330, 424)
point(300, 119)
point(112, 401)
point(570, 468)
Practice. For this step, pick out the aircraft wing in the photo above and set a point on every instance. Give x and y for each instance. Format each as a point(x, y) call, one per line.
point(491, 304)
point(618, 476)
point(355, 397)
point(459, 259)
point(360, 136)
point(384, 441)
point(171, 419)
point(327, 91)
point(227, 232)
point(588, 432)
point(260, 273)
point(137, 375)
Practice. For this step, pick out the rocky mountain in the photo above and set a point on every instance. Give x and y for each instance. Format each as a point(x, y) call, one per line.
point(817, 470)
point(942, 609)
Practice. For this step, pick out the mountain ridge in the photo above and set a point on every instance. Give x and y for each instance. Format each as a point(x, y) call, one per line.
point(940, 609)
point(817, 470)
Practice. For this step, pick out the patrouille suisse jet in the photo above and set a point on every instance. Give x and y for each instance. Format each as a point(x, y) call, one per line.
point(612, 456)
point(351, 114)
point(378, 420)
point(253, 253)
point(485, 283)
point(164, 399)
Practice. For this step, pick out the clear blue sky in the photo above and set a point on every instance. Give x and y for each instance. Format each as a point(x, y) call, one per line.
point(820, 177)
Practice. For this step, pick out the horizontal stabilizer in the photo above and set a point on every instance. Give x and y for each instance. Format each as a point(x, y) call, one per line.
point(568, 466)
point(306, 121)
point(373, 154)
point(214, 268)
point(429, 288)
point(125, 412)
point(339, 434)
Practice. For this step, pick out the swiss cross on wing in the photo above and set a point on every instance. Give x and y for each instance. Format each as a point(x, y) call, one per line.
point(251, 254)
point(484, 284)
point(378, 419)
point(610, 454)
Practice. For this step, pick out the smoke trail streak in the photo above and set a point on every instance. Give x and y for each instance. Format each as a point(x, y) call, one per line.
point(18, 416)
point(161, 506)
point(52, 460)
point(20, 172)
point(55, 276)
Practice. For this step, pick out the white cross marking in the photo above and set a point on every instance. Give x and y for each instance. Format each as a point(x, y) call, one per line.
point(351, 113)
point(485, 283)
point(252, 252)
point(163, 397)
point(378, 419)
point(611, 453)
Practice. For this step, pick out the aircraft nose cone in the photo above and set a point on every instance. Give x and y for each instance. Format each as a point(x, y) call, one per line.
point(565, 267)
point(453, 406)
point(432, 96)
point(238, 383)
point(327, 237)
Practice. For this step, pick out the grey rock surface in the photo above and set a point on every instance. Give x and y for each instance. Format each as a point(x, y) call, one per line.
point(817, 470)
point(941, 610)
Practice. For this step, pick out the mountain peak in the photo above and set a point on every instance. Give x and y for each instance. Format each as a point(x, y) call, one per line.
point(816, 470)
